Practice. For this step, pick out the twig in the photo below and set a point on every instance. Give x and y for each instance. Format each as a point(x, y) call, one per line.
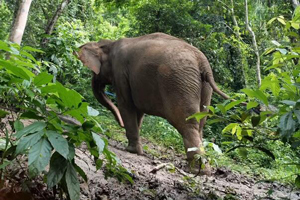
point(158, 167)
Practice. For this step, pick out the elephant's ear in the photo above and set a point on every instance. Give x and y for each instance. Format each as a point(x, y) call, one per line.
point(90, 56)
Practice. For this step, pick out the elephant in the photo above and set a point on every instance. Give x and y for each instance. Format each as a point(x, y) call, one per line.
point(155, 74)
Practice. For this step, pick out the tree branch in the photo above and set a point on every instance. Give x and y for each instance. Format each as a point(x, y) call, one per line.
point(50, 26)
point(258, 74)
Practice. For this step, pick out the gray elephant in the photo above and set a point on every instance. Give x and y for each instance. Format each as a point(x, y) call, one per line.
point(156, 74)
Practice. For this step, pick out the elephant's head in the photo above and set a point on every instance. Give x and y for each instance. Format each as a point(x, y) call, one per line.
point(95, 56)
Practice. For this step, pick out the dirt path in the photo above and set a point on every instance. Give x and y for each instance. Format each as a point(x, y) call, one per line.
point(167, 185)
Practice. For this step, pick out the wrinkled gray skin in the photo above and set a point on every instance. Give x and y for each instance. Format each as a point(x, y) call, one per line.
point(156, 74)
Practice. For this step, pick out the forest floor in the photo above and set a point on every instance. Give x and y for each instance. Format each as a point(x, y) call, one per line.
point(150, 183)
point(223, 184)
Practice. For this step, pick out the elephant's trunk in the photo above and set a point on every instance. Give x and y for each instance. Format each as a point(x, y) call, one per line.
point(98, 90)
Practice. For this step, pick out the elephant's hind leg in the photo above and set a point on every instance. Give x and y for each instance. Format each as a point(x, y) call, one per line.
point(206, 93)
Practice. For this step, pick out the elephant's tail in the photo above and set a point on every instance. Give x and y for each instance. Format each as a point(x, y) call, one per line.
point(210, 79)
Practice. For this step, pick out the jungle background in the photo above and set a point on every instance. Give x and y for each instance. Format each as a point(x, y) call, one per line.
point(253, 48)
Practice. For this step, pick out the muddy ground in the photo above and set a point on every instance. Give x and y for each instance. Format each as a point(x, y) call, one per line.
point(223, 184)
point(174, 185)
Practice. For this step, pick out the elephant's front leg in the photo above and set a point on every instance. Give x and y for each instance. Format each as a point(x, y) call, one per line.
point(131, 117)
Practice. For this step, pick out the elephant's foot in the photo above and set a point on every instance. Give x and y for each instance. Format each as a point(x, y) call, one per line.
point(137, 148)
point(199, 165)
point(198, 170)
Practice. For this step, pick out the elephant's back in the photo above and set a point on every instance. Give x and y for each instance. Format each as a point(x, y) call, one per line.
point(163, 72)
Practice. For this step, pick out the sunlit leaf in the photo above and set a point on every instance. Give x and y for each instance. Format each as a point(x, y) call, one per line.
point(42, 79)
point(276, 43)
point(232, 104)
point(19, 71)
point(92, 111)
point(99, 142)
point(251, 104)
point(199, 116)
point(282, 21)
point(221, 108)
point(229, 127)
point(271, 21)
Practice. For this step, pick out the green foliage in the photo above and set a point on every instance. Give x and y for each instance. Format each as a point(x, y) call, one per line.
point(4, 18)
point(49, 139)
point(281, 86)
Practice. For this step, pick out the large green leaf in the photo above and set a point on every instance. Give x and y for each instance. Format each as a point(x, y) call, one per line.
point(289, 102)
point(29, 141)
point(221, 108)
point(58, 166)
point(231, 126)
point(271, 82)
point(256, 93)
point(80, 172)
point(50, 88)
point(287, 122)
point(59, 143)
point(99, 142)
point(4, 46)
point(261, 96)
point(80, 112)
point(42, 79)
point(251, 104)
point(3, 113)
point(39, 155)
point(19, 71)
point(18, 125)
point(232, 104)
point(34, 127)
point(72, 182)
point(248, 92)
point(70, 98)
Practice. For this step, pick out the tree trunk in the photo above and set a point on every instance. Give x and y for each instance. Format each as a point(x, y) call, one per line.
point(295, 3)
point(50, 26)
point(258, 74)
point(20, 21)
